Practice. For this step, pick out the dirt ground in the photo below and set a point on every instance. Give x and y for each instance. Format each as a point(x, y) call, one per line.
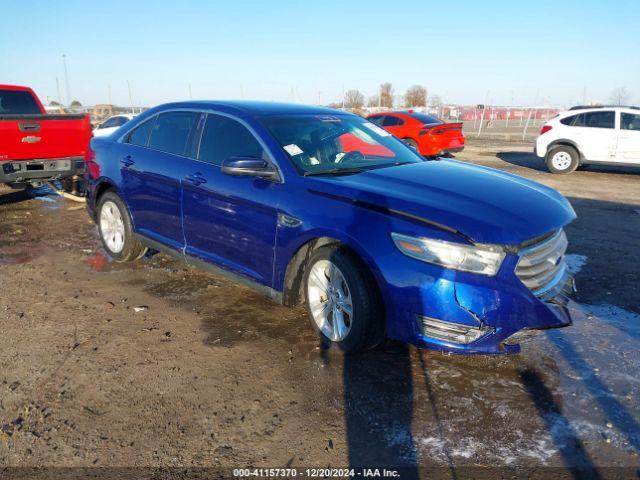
point(153, 364)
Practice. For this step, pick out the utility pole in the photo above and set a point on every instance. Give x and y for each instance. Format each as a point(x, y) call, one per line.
point(66, 79)
point(319, 97)
point(58, 89)
point(130, 97)
point(190, 94)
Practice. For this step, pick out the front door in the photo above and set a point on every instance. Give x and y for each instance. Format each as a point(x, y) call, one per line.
point(152, 172)
point(629, 138)
point(229, 220)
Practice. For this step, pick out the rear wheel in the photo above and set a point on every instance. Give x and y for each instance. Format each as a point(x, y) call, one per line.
point(412, 143)
point(562, 159)
point(116, 232)
point(342, 301)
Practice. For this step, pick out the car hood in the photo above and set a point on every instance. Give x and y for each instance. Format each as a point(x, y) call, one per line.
point(486, 205)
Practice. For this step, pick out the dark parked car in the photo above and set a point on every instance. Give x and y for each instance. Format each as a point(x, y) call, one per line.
point(323, 207)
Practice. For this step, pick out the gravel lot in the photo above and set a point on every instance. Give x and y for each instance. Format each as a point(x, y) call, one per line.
point(155, 364)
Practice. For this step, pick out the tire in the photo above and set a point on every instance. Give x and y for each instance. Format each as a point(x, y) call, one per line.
point(412, 143)
point(328, 301)
point(115, 229)
point(562, 159)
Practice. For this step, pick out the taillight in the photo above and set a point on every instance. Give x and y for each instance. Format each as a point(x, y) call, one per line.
point(92, 168)
point(545, 129)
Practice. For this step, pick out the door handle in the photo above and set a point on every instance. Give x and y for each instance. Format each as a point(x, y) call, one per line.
point(127, 161)
point(195, 179)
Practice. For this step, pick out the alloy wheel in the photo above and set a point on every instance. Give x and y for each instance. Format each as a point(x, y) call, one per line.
point(112, 226)
point(330, 300)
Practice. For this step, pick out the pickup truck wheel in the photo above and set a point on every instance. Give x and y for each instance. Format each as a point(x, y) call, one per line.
point(562, 159)
point(343, 304)
point(116, 232)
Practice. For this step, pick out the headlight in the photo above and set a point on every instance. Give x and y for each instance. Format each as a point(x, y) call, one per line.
point(482, 259)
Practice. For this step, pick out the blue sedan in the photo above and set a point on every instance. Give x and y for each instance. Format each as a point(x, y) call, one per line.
point(316, 206)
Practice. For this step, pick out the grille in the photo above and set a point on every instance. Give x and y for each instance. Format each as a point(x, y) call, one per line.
point(542, 267)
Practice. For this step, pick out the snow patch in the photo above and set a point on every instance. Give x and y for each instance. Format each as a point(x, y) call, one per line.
point(575, 262)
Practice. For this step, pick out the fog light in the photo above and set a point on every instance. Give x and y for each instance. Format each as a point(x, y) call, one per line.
point(451, 332)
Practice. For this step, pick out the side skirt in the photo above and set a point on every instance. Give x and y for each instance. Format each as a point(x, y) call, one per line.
point(273, 294)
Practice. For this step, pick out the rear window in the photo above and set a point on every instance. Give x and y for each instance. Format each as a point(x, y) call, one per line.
point(600, 119)
point(606, 119)
point(424, 118)
point(171, 132)
point(14, 102)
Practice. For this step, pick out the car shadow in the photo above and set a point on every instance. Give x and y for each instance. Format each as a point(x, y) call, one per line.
point(17, 196)
point(523, 159)
point(562, 431)
point(531, 161)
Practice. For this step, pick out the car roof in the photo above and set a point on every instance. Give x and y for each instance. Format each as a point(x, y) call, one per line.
point(596, 107)
point(254, 108)
point(392, 112)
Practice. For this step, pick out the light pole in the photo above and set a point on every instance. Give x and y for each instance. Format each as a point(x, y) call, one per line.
point(66, 79)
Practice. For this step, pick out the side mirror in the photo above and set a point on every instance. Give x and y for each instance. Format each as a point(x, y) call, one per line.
point(249, 167)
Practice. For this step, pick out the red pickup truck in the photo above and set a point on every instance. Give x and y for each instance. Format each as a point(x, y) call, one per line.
point(35, 146)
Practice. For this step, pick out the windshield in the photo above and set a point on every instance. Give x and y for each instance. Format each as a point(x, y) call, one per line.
point(319, 144)
point(16, 102)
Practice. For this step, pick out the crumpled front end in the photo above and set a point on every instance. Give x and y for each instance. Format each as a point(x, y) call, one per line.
point(469, 313)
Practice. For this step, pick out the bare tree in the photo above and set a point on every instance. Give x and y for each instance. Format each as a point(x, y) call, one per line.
point(435, 101)
point(416, 96)
point(620, 96)
point(353, 99)
point(374, 101)
point(386, 95)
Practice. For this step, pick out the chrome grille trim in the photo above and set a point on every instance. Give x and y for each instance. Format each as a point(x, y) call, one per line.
point(542, 267)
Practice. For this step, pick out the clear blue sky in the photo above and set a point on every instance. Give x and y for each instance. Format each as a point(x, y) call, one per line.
point(464, 51)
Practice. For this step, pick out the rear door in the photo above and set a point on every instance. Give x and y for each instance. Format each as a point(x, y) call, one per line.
point(151, 168)
point(229, 220)
point(629, 137)
point(596, 134)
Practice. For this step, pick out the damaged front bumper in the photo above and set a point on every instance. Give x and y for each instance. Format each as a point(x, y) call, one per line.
point(467, 313)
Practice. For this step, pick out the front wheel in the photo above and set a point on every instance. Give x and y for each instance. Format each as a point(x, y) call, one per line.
point(116, 232)
point(562, 159)
point(342, 300)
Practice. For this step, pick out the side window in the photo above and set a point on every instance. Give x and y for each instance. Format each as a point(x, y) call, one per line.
point(630, 121)
point(600, 119)
point(140, 135)
point(119, 121)
point(377, 120)
point(573, 121)
point(111, 122)
point(392, 121)
point(224, 137)
point(171, 132)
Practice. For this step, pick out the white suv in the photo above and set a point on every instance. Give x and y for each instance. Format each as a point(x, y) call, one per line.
point(583, 135)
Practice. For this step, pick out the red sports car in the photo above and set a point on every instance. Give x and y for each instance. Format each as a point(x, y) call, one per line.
point(426, 133)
